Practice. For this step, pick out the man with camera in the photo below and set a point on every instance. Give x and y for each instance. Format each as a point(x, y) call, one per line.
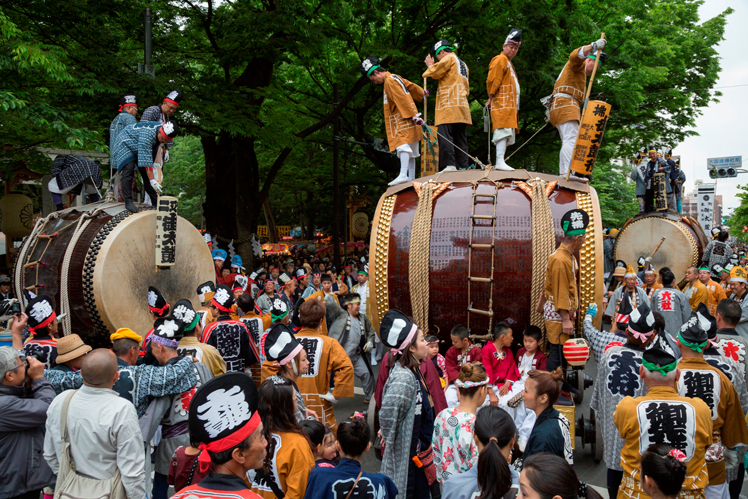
point(25, 396)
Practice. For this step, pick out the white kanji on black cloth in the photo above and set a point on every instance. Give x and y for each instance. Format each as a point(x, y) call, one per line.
point(224, 410)
point(705, 385)
point(313, 347)
point(364, 489)
point(667, 422)
point(623, 375)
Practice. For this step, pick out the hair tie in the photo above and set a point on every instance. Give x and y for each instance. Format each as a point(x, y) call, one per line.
point(470, 384)
point(357, 415)
point(677, 454)
point(582, 492)
point(494, 439)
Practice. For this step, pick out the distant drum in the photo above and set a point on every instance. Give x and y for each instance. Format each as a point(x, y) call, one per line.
point(682, 248)
point(110, 267)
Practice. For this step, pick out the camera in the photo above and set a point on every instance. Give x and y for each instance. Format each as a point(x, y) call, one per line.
point(15, 308)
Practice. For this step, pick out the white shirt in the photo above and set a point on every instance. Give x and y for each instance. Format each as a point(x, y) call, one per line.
point(525, 366)
point(104, 435)
point(363, 291)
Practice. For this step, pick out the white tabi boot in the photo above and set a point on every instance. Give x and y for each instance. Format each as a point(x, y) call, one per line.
point(403, 177)
point(411, 173)
point(500, 151)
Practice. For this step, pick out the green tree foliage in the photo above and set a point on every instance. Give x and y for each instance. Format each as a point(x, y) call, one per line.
point(739, 217)
point(258, 80)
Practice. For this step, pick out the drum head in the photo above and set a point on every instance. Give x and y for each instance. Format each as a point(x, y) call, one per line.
point(126, 266)
point(641, 237)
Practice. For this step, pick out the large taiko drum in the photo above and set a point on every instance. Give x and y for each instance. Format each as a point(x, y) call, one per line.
point(683, 245)
point(450, 259)
point(109, 267)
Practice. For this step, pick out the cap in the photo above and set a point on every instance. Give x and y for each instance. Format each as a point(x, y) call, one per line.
point(185, 313)
point(128, 100)
point(223, 298)
point(223, 414)
point(441, 45)
point(205, 291)
point(156, 301)
point(169, 130)
point(240, 282)
point(168, 331)
point(41, 312)
point(280, 345)
point(694, 333)
point(737, 274)
point(236, 261)
point(369, 65)
point(127, 333)
point(630, 272)
point(641, 322)
point(657, 360)
point(175, 97)
point(620, 269)
point(624, 311)
point(284, 279)
point(219, 254)
point(514, 37)
point(574, 222)
point(364, 269)
point(397, 330)
point(300, 274)
point(70, 347)
point(278, 310)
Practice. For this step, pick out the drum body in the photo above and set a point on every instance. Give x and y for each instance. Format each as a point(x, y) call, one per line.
point(682, 248)
point(110, 267)
point(450, 256)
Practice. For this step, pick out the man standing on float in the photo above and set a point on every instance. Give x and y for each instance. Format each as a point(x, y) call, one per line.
point(402, 120)
point(567, 100)
point(452, 106)
point(503, 97)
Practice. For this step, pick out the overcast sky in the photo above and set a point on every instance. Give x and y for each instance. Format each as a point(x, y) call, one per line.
point(722, 128)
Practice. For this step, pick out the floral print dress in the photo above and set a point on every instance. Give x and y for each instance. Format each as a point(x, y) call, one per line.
point(453, 444)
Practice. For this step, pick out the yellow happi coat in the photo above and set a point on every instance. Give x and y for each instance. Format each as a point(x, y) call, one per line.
point(399, 108)
point(452, 104)
point(570, 83)
point(560, 292)
point(326, 356)
point(503, 85)
point(690, 431)
point(699, 379)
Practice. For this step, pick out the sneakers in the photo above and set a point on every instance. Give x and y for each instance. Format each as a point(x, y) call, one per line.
point(450, 168)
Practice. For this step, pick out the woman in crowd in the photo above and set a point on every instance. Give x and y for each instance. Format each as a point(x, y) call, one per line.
point(663, 471)
point(551, 430)
point(407, 414)
point(289, 458)
point(454, 449)
point(545, 476)
point(492, 478)
point(283, 351)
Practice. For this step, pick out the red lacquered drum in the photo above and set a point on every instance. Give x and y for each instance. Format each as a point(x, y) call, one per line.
point(110, 265)
point(450, 259)
point(682, 248)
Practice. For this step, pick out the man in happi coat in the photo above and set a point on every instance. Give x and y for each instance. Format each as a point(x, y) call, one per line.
point(715, 290)
point(637, 294)
point(618, 377)
point(326, 357)
point(559, 301)
point(662, 416)
point(639, 175)
point(452, 106)
point(73, 175)
point(566, 104)
point(134, 149)
point(128, 108)
point(503, 97)
point(402, 121)
point(256, 325)
point(699, 379)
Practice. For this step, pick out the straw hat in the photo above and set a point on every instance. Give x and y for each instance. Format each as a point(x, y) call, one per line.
point(71, 347)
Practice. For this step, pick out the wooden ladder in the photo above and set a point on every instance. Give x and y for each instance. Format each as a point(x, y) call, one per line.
point(492, 246)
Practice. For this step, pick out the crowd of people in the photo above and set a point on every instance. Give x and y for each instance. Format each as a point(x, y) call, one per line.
point(236, 397)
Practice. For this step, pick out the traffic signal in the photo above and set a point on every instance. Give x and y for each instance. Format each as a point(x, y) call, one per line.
point(723, 173)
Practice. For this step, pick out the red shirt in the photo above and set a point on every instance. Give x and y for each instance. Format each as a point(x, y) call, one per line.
point(455, 359)
point(499, 364)
point(539, 361)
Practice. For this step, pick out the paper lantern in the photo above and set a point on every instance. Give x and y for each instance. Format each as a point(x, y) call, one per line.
point(360, 224)
point(576, 351)
point(17, 215)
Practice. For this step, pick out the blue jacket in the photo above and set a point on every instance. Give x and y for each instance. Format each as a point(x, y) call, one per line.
point(550, 434)
point(135, 143)
point(122, 120)
point(336, 482)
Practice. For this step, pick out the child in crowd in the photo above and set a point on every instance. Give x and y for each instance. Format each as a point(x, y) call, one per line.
point(437, 358)
point(461, 352)
point(322, 440)
point(348, 479)
point(546, 475)
point(530, 357)
point(663, 471)
point(500, 367)
point(185, 469)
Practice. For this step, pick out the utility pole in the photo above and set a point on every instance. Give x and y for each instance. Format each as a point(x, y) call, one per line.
point(335, 178)
point(147, 67)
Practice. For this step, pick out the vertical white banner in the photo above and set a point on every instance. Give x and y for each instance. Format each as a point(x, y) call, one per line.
point(706, 207)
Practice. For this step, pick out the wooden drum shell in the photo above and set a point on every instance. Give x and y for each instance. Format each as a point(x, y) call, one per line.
point(450, 232)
